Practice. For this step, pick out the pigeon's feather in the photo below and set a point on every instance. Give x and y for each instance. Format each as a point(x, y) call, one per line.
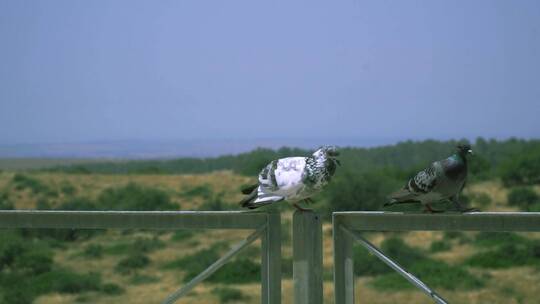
point(441, 180)
point(291, 178)
point(248, 189)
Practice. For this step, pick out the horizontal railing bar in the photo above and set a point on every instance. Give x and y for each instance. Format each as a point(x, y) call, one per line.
point(398, 268)
point(214, 267)
point(475, 221)
point(132, 219)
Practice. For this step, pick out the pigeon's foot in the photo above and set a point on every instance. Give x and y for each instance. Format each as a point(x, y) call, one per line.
point(300, 208)
point(431, 210)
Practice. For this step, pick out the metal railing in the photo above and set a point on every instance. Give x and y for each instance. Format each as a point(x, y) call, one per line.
point(346, 227)
point(267, 227)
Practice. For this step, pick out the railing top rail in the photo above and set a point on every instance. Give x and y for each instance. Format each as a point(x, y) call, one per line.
point(474, 221)
point(132, 219)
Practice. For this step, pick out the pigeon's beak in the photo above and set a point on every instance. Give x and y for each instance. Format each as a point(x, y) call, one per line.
point(470, 152)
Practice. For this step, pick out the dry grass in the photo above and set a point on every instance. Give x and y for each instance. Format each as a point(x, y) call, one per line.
point(515, 285)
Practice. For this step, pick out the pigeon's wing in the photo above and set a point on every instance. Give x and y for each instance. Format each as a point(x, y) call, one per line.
point(424, 180)
point(267, 177)
point(262, 193)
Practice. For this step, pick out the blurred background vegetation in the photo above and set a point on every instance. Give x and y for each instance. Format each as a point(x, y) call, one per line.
point(66, 266)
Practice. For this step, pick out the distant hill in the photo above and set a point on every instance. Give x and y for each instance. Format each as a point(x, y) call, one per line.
point(403, 157)
point(152, 149)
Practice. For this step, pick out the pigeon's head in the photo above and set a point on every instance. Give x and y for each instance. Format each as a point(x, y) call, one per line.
point(464, 149)
point(327, 152)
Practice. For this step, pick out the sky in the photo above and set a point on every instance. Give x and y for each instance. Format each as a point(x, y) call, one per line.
point(83, 71)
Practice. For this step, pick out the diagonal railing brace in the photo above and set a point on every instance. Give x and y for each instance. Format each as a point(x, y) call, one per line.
point(404, 273)
point(214, 267)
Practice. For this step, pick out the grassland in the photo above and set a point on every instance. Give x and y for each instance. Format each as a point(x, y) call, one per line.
point(160, 267)
point(13, 164)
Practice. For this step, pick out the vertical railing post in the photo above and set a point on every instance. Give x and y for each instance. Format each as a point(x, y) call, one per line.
point(271, 260)
point(343, 264)
point(307, 258)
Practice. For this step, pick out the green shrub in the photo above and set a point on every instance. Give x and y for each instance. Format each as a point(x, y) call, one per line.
point(523, 197)
point(65, 281)
point(5, 203)
point(111, 289)
point(366, 264)
point(508, 254)
point(93, 251)
point(522, 169)
point(491, 239)
point(139, 279)
point(132, 263)
point(78, 204)
point(140, 244)
point(461, 237)
point(534, 207)
point(352, 190)
point(118, 248)
point(404, 254)
point(147, 245)
point(238, 271)
point(204, 191)
point(433, 273)
point(226, 294)
point(439, 246)
point(36, 186)
point(43, 204)
point(15, 293)
point(22, 182)
point(26, 271)
point(17, 254)
point(481, 198)
point(216, 203)
point(194, 264)
point(181, 235)
point(67, 188)
point(135, 197)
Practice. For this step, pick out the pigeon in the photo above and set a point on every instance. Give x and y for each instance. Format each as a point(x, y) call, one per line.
point(444, 179)
point(292, 179)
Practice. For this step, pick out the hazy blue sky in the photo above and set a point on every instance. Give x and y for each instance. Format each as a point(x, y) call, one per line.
point(75, 71)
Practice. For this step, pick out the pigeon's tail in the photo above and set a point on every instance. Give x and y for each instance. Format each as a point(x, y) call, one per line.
point(402, 196)
point(247, 201)
point(253, 200)
point(248, 189)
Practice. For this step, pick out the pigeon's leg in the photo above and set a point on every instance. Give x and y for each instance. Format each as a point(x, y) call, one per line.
point(431, 210)
point(460, 207)
point(300, 208)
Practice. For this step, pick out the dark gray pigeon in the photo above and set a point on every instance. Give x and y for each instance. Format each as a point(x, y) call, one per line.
point(292, 179)
point(444, 179)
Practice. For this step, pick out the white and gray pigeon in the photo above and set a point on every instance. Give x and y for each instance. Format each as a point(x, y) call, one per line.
point(444, 179)
point(292, 179)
